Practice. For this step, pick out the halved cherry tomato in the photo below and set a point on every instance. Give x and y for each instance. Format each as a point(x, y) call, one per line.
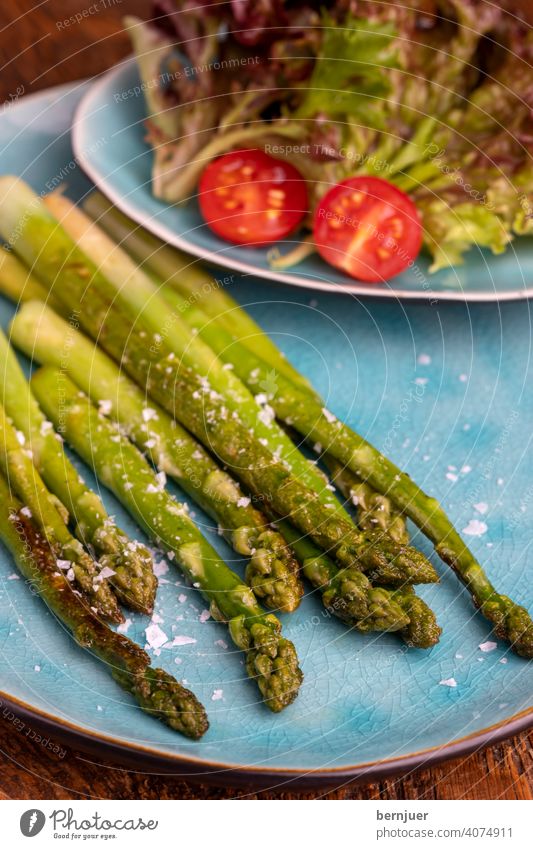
point(367, 227)
point(250, 198)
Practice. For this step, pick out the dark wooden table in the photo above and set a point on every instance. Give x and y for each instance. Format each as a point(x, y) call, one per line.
point(36, 52)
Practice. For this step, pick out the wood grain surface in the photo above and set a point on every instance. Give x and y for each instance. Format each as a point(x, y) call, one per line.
point(37, 49)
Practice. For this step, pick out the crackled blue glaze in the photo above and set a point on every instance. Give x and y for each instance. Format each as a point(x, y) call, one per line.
point(109, 135)
point(447, 391)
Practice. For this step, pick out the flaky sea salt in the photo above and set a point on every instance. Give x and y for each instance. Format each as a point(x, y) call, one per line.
point(475, 528)
point(105, 406)
point(155, 636)
point(182, 640)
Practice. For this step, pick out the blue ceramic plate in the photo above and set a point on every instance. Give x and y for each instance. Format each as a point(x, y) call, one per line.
point(447, 391)
point(108, 139)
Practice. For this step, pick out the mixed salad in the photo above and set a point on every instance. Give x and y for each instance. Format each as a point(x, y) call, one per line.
point(370, 128)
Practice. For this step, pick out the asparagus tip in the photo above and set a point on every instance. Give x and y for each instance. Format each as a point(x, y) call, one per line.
point(511, 622)
point(272, 573)
point(160, 694)
point(272, 661)
point(423, 631)
point(133, 580)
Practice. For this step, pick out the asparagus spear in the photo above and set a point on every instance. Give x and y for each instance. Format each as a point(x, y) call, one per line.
point(110, 270)
point(128, 563)
point(272, 571)
point(270, 658)
point(156, 691)
point(204, 413)
point(296, 407)
point(346, 593)
point(47, 336)
point(376, 510)
point(189, 279)
point(38, 235)
point(373, 508)
point(18, 468)
point(17, 282)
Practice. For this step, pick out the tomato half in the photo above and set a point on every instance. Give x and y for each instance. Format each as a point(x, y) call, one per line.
point(367, 227)
point(250, 198)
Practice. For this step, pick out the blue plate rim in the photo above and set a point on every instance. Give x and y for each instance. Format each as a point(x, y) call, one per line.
point(225, 774)
point(228, 774)
point(80, 142)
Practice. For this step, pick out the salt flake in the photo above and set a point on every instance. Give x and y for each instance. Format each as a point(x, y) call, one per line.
point(155, 636)
point(475, 528)
point(182, 640)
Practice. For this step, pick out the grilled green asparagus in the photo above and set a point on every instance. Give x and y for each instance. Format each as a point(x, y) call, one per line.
point(37, 238)
point(23, 477)
point(270, 658)
point(128, 563)
point(103, 311)
point(39, 330)
point(157, 692)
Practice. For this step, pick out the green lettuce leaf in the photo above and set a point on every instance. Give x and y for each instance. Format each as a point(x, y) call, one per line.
point(450, 231)
point(350, 73)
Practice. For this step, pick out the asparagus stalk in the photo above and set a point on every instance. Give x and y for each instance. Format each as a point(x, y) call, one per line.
point(204, 413)
point(41, 236)
point(511, 621)
point(110, 270)
point(374, 510)
point(48, 337)
point(19, 470)
point(272, 571)
point(317, 424)
point(16, 281)
point(128, 563)
point(346, 593)
point(422, 631)
point(157, 692)
point(183, 273)
point(270, 658)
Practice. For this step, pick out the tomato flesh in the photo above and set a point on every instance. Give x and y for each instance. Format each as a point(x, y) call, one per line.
point(367, 227)
point(249, 198)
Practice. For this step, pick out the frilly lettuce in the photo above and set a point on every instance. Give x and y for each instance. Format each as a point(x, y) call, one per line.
point(410, 92)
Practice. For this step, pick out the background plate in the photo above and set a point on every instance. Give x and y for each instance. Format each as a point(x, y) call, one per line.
point(447, 391)
point(108, 139)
